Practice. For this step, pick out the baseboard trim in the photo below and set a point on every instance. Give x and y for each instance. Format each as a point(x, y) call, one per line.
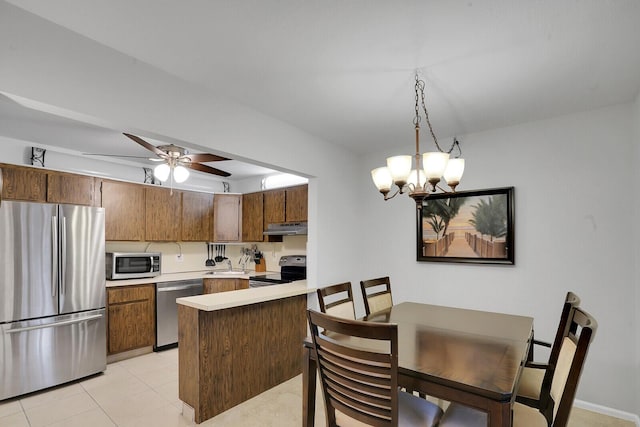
point(627, 416)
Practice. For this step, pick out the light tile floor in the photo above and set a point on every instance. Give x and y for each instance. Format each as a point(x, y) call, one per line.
point(143, 391)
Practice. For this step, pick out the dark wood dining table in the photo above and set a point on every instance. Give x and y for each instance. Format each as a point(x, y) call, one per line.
point(459, 355)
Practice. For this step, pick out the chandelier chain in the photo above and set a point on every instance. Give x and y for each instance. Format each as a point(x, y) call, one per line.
point(420, 87)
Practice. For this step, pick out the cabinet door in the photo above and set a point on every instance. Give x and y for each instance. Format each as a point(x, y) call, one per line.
point(296, 203)
point(23, 183)
point(162, 214)
point(227, 217)
point(242, 284)
point(213, 286)
point(70, 188)
point(131, 318)
point(252, 217)
point(124, 206)
point(197, 212)
point(274, 207)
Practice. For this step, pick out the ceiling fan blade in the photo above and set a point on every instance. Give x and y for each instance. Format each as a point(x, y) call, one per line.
point(203, 158)
point(146, 145)
point(204, 168)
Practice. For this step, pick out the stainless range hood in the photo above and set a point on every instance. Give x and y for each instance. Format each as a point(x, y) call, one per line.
point(286, 229)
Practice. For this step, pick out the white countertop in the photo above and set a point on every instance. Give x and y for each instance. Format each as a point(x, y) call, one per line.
point(222, 300)
point(170, 277)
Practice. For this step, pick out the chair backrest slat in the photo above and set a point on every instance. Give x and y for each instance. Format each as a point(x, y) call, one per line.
point(579, 334)
point(358, 379)
point(376, 294)
point(337, 300)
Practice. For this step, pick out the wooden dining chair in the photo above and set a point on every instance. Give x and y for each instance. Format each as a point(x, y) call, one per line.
point(557, 397)
point(358, 366)
point(535, 374)
point(376, 294)
point(337, 300)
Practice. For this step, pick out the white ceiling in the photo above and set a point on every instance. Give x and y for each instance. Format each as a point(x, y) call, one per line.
point(344, 69)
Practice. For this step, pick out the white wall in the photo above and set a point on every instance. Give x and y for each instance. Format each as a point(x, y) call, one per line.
point(574, 226)
point(574, 231)
point(49, 64)
point(636, 214)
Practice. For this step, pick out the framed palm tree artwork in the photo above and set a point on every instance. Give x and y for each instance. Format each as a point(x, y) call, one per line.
point(469, 227)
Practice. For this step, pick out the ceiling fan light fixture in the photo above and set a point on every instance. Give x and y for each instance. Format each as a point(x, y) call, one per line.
point(180, 174)
point(162, 172)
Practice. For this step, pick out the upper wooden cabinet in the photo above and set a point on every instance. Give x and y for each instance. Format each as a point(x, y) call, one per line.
point(196, 218)
point(227, 217)
point(124, 206)
point(274, 211)
point(71, 188)
point(42, 185)
point(285, 205)
point(24, 183)
point(162, 214)
point(296, 203)
point(252, 217)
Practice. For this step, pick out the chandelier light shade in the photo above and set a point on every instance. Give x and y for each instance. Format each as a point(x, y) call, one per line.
point(419, 175)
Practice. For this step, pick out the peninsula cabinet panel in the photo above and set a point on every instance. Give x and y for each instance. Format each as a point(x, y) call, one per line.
point(23, 183)
point(70, 188)
point(124, 206)
point(229, 356)
point(296, 203)
point(197, 213)
point(162, 213)
point(131, 317)
point(227, 217)
point(252, 217)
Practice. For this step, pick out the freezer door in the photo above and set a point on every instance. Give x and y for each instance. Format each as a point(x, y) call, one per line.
point(82, 265)
point(28, 265)
point(41, 353)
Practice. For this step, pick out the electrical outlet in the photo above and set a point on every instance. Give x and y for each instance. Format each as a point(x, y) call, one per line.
point(179, 258)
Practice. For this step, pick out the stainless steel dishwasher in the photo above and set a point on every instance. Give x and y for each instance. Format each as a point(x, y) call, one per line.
point(167, 309)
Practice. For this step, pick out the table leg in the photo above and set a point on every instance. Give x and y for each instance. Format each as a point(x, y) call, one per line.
point(500, 414)
point(309, 376)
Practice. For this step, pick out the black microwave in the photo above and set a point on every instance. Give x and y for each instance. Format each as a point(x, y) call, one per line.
point(132, 265)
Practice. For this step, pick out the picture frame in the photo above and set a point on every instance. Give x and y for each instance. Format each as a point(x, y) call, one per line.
point(467, 227)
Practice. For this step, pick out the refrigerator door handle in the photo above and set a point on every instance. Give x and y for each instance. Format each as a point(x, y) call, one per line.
point(54, 255)
point(63, 263)
point(54, 325)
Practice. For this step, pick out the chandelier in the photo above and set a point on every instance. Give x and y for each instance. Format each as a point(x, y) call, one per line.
point(419, 181)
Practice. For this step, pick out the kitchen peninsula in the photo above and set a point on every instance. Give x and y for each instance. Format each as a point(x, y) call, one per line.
point(235, 345)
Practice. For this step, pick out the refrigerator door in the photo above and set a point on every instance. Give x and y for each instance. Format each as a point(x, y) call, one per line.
point(41, 353)
point(82, 264)
point(28, 261)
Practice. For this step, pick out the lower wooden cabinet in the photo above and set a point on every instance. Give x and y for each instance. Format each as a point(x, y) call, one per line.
point(131, 317)
point(212, 286)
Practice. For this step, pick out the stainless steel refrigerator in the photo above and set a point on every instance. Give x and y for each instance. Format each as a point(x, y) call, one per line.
point(52, 295)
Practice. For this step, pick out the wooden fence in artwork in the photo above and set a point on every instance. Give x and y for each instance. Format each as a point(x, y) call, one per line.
point(485, 248)
point(437, 247)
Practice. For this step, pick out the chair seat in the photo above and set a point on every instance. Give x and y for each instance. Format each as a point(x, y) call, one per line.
point(412, 411)
point(531, 383)
point(463, 416)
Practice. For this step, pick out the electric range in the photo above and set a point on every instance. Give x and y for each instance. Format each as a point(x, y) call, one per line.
point(292, 268)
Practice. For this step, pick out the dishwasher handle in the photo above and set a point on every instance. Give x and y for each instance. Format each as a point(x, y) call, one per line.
point(178, 288)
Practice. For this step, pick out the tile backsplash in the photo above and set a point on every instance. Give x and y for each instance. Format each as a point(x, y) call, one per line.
point(194, 254)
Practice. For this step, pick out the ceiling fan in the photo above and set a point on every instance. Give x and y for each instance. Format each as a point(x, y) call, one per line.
point(176, 160)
